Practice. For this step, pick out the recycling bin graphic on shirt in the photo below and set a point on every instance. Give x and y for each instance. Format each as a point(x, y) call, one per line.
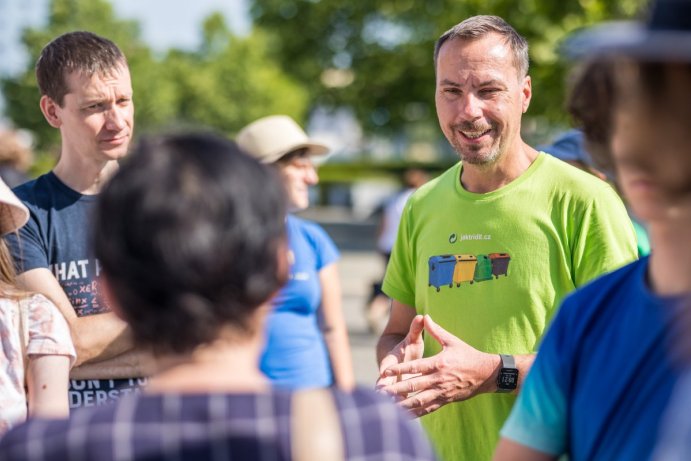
point(500, 264)
point(441, 270)
point(466, 269)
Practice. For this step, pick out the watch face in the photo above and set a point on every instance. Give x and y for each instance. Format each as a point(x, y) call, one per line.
point(508, 378)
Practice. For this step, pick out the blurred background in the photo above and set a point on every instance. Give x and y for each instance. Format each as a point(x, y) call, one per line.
point(357, 74)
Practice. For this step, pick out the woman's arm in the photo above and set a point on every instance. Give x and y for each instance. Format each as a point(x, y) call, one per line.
point(335, 331)
point(47, 382)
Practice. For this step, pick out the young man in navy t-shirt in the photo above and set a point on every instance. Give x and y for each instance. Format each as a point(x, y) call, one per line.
point(86, 94)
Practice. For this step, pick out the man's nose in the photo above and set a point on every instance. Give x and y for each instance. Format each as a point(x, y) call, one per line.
point(115, 118)
point(471, 107)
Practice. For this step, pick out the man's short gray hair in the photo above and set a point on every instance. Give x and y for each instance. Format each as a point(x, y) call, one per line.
point(477, 27)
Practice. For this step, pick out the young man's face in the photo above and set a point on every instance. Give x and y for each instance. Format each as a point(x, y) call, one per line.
point(97, 115)
point(480, 98)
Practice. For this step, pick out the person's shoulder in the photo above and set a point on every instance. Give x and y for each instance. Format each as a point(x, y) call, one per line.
point(598, 289)
point(28, 188)
point(375, 417)
point(569, 178)
point(49, 434)
point(440, 184)
point(371, 405)
point(36, 192)
point(39, 303)
point(310, 229)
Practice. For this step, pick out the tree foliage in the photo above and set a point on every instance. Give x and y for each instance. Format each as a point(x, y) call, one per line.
point(382, 49)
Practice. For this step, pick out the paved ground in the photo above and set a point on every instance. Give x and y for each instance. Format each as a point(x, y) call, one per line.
point(358, 270)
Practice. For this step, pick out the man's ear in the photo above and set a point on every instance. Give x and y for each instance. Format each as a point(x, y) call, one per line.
point(527, 92)
point(50, 111)
point(105, 292)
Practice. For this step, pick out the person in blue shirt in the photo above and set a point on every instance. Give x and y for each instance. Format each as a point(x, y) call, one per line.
point(605, 372)
point(306, 335)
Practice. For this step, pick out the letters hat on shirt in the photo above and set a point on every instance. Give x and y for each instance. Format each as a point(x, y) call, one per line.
point(13, 213)
point(665, 37)
point(270, 138)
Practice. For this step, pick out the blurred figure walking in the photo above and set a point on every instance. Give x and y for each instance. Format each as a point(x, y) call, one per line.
point(377, 309)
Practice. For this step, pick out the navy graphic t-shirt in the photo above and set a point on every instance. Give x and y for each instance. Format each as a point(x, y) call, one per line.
point(57, 238)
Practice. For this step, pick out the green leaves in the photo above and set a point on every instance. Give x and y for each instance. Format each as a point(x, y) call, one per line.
point(225, 84)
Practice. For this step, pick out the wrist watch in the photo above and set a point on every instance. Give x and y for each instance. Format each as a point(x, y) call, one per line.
point(507, 381)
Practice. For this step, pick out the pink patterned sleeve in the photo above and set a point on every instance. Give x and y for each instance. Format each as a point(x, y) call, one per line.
point(48, 330)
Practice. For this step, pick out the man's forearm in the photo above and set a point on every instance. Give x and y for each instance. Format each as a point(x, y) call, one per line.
point(386, 343)
point(131, 364)
point(100, 337)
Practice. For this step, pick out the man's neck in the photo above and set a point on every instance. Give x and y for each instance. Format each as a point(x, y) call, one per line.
point(481, 179)
point(670, 258)
point(206, 370)
point(85, 177)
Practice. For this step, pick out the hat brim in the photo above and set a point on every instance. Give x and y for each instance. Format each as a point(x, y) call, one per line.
point(13, 213)
point(631, 39)
point(313, 149)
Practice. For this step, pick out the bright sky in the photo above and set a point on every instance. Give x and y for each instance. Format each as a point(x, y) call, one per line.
point(177, 23)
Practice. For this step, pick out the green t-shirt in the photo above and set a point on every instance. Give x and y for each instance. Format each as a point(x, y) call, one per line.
point(492, 269)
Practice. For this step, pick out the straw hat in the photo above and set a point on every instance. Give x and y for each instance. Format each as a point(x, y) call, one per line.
point(270, 138)
point(13, 213)
point(666, 36)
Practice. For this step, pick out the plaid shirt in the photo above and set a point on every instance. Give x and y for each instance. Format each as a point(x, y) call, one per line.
point(212, 427)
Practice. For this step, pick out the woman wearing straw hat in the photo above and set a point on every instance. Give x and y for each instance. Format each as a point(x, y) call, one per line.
point(306, 336)
point(36, 351)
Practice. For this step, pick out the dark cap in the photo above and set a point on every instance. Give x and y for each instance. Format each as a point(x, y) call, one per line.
point(666, 36)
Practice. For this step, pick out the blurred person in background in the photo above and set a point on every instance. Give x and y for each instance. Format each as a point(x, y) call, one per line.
point(36, 350)
point(15, 159)
point(191, 260)
point(377, 309)
point(570, 147)
point(605, 372)
point(306, 335)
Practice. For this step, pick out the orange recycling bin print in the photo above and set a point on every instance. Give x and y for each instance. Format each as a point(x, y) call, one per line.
point(465, 269)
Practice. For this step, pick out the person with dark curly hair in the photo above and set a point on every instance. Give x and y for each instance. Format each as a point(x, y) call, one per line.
point(190, 233)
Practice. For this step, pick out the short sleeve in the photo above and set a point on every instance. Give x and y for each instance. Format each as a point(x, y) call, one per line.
point(27, 248)
point(539, 417)
point(607, 240)
point(324, 247)
point(48, 331)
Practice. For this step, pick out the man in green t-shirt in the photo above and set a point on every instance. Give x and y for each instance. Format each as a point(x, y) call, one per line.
point(486, 251)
